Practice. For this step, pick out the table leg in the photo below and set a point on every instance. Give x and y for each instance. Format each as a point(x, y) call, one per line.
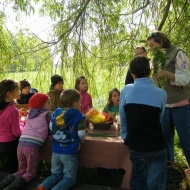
point(126, 179)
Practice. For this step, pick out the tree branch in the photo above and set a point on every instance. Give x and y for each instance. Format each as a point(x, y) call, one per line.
point(138, 9)
point(167, 8)
point(75, 22)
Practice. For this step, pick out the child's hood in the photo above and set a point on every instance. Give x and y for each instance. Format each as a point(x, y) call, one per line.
point(70, 114)
point(3, 105)
point(27, 95)
point(34, 112)
point(64, 116)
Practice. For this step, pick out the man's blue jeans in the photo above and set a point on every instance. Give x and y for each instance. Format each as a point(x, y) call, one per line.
point(64, 172)
point(179, 118)
point(149, 170)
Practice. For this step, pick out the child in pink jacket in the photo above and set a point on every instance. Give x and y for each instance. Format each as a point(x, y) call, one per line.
point(81, 85)
point(9, 125)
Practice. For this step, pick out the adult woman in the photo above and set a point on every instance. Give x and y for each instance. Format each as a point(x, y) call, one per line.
point(177, 87)
point(139, 51)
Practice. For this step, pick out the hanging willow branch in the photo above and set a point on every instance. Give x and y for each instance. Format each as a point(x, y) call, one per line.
point(145, 4)
point(167, 8)
point(75, 22)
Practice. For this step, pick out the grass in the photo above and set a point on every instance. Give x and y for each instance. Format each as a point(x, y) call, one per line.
point(178, 152)
point(99, 85)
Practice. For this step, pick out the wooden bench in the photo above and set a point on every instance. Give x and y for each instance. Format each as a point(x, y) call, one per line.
point(33, 184)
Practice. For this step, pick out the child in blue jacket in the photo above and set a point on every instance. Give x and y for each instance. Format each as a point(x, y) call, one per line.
point(68, 129)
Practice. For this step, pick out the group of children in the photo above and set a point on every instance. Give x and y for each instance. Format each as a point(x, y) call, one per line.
point(21, 138)
point(81, 84)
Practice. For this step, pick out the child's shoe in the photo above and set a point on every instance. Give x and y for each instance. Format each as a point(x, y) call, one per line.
point(17, 184)
point(6, 181)
point(40, 188)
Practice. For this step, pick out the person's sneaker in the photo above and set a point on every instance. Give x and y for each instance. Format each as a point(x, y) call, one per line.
point(6, 181)
point(40, 188)
point(17, 184)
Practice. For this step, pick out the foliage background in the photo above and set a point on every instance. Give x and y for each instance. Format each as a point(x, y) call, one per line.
point(94, 38)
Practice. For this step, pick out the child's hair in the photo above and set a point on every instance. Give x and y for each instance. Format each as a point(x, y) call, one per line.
point(77, 82)
point(140, 67)
point(24, 83)
point(7, 85)
point(110, 103)
point(69, 97)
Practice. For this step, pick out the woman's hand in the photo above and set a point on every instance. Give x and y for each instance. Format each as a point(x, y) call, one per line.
point(160, 74)
point(165, 74)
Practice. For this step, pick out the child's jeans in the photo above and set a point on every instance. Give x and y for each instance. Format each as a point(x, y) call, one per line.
point(149, 170)
point(64, 172)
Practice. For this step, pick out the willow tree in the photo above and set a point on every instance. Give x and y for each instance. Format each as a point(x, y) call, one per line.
point(96, 38)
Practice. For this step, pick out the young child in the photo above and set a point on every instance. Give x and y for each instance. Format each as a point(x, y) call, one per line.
point(112, 106)
point(32, 139)
point(9, 125)
point(141, 107)
point(56, 89)
point(68, 128)
point(25, 92)
point(81, 85)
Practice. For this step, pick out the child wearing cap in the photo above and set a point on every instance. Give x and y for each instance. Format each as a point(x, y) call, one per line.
point(56, 89)
point(68, 129)
point(32, 139)
point(25, 92)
